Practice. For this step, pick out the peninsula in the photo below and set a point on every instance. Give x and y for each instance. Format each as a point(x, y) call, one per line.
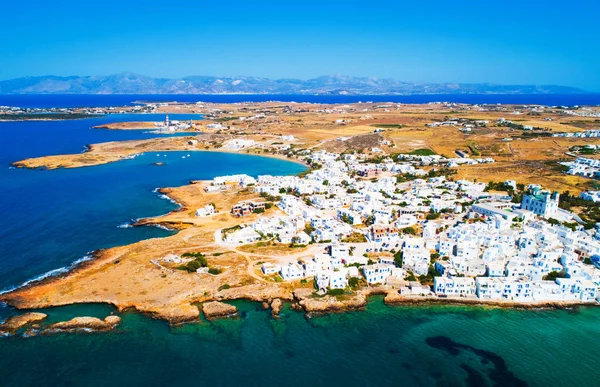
point(440, 202)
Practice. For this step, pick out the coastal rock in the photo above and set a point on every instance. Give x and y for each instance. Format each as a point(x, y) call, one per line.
point(393, 297)
point(85, 323)
point(259, 292)
point(15, 323)
point(276, 307)
point(326, 304)
point(215, 309)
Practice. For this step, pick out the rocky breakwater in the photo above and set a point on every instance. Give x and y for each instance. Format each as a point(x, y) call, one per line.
point(14, 323)
point(215, 309)
point(314, 304)
point(85, 324)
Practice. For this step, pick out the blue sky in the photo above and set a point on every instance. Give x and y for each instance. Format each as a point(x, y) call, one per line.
point(507, 42)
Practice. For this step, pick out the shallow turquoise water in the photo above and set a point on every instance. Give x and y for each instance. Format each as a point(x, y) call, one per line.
point(51, 218)
point(380, 346)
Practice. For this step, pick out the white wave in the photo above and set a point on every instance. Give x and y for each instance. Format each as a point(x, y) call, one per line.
point(51, 273)
point(85, 258)
point(133, 156)
point(125, 225)
point(166, 197)
point(162, 227)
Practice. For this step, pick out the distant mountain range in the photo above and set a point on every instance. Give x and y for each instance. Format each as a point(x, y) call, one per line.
point(129, 83)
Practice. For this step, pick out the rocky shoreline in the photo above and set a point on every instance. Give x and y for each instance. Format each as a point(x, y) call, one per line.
point(303, 300)
point(14, 323)
point(393, 298)
point(86, 324)
point(216, 309)
point(32, 320)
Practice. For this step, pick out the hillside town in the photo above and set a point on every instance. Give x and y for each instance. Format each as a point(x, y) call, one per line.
point(405, 223)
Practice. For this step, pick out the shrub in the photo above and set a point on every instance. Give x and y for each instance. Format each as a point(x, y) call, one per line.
point(554, 275)
point(215, 270)
point(411, 276)
point(433, 216)
point(195, 264)
point(409, 230)
point(398, 258)
point(422, 152)
point(335, 292)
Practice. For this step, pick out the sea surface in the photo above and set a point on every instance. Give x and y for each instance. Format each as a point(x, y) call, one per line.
point(96, 100)
point(50, 219)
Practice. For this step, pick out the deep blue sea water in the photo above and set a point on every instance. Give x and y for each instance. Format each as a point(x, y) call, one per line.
point(95, 100)
point(52, 218)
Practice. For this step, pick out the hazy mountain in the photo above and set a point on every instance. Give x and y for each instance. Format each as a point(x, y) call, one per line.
point(129, 83)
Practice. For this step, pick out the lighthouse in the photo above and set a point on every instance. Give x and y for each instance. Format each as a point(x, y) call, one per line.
point(167, 121)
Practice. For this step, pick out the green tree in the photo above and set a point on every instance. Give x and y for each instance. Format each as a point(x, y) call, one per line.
point(409, 231)
point(398, 258)
point(554, 275)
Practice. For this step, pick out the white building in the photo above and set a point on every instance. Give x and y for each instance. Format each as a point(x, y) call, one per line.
point(207, 210)
point(377, 273)
point(454, 286)
point(541, 203)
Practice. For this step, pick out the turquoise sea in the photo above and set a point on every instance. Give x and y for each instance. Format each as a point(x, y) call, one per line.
point(52, 218)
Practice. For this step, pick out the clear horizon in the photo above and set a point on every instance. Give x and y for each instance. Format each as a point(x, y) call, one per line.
point(512, 43)
point(295, 78)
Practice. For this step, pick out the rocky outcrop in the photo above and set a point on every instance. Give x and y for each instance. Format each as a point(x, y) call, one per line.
point(215, 309)
point(85, 324)
point(325, 304)
point(276, 306)
point(393, 297)
point(259, 292)
point(15, 323)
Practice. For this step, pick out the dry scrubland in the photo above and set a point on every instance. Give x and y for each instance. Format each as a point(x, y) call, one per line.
point(527, 160)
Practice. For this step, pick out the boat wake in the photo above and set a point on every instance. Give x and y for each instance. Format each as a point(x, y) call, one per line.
point(51, 273)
